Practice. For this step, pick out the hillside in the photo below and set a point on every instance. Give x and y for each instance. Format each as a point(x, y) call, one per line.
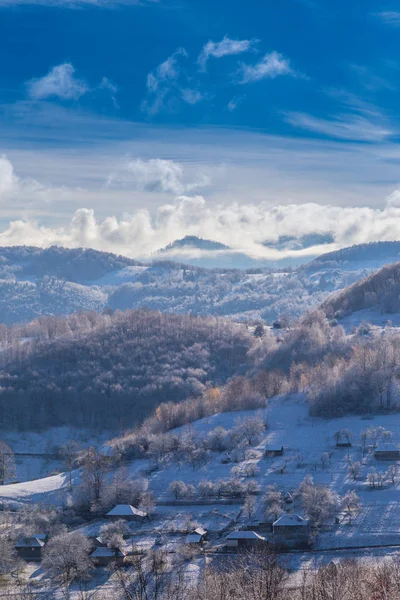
point(379, 291)
point(56, 281)
point(102, 371)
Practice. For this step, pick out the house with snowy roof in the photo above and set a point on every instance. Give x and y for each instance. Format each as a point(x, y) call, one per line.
point(103, 556)
point(126, 512)
point(387, 451)
point(197, 536)
point(30, 548)
point(291, 529)
point(244, 539)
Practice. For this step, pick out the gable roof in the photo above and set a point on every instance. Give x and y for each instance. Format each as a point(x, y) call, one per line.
point(387, 447)
point(104, 552)
point(37, 541)
point(193, 538)
point(244, 535)
point(290, 520)
point(125, 510)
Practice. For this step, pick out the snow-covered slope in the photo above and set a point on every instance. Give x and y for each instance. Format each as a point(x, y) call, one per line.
point(310, 448)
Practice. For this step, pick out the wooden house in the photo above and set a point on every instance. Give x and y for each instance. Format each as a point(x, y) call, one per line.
point(30, 548)
point(197, 536)
point(387, 451)
point(103, 556)
point(274, 451)
point(291, 530)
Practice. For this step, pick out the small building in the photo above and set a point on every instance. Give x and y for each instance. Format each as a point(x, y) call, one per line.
point(274, 451)
point(197, 536)
point(387, 451)
point(244, 539)
point(127, 512)
point(103, 556)
point(291, 529)
point(30, 548)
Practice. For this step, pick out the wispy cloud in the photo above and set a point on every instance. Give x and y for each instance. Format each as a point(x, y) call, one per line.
point(156, 175)
point(226, 47)
point(345, 127)
point(235, 102)
point(390, 17)
point(270, 66)
point(161, 82)
point(370, 80)
point(60, 82)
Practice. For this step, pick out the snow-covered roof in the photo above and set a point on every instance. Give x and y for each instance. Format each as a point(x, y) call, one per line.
point(193, 538)
point(288, 520)
point(244, 535)
point(36, 541)
point(387, 447)
point(106, 552)
point(200, 531)
point(125, 510)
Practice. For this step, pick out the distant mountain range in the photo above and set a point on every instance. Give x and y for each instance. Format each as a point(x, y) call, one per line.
point(35, 282)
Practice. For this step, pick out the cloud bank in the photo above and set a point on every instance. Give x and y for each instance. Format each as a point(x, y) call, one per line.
point(244, 227)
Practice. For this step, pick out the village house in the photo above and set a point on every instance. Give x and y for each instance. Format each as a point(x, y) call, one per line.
point(244, 539)
point(30, 548)
point(387, 451)
point(291, 530)
point(126, 512)
point(103, 556)
point(197, 536)
point(274, 451)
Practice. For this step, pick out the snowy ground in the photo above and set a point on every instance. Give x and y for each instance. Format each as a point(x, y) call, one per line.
point(305, 440)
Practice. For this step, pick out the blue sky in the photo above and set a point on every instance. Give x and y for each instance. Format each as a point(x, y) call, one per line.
point(125, 108)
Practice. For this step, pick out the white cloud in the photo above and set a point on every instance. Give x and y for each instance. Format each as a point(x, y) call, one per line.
point(155, 175)
point(345, 127)
point(191, 96)
point(161, 82)
point(226, 47)
point(60, 82)
point(390, 17)
point(270, 66)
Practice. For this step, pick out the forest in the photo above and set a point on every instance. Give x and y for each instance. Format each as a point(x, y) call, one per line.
point(112, 370)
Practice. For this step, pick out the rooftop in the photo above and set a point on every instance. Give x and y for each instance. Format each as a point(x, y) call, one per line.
point(290, 520)
point(107, 552)
point(125, 510)
point(244, 535)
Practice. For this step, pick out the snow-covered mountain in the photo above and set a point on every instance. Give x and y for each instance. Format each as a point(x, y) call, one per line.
point(36, 282)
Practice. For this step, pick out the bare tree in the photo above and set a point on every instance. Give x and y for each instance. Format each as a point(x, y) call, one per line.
point(351, 504)
point(177, 489)
point(95, 469)
point(66, 559)
point(249, 506)
point(7, 463)
point(69, 453)
point(354, 469)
